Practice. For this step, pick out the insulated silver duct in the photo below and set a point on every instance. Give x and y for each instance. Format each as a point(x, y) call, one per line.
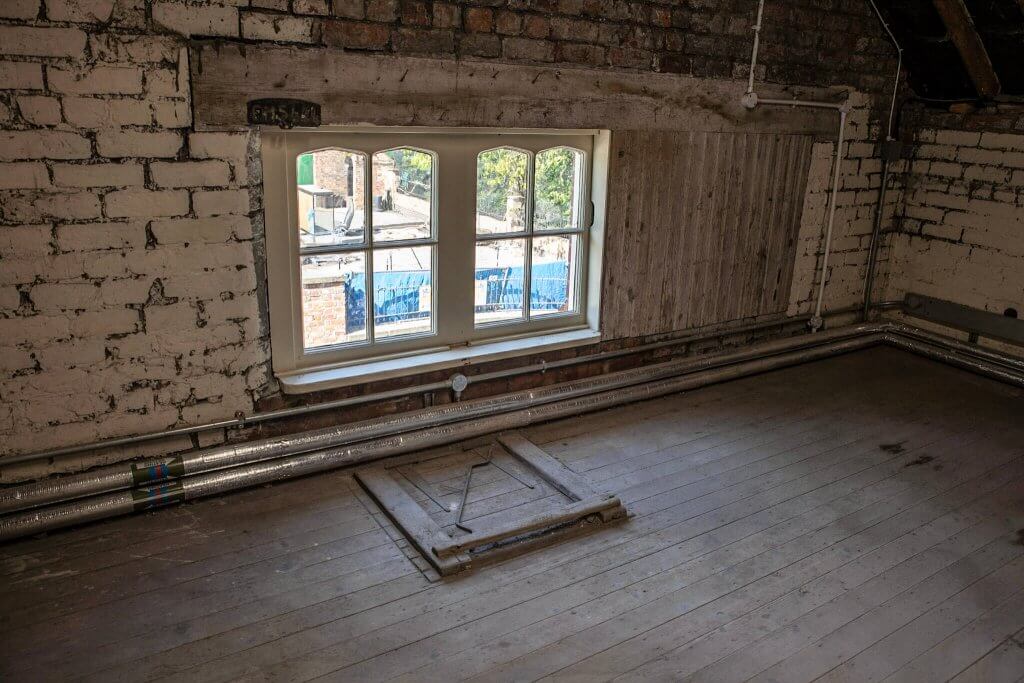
point(149, 472)
point(571, 403)
point(448, 424)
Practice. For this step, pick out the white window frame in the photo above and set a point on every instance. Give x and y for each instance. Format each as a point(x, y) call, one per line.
point(456, 340)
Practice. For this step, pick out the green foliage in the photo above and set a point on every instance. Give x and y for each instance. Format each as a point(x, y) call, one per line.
point(499, 173)
point(502, 173)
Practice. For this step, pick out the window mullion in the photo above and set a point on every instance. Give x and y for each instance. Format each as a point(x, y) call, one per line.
point(528, 255)
point(371, 317)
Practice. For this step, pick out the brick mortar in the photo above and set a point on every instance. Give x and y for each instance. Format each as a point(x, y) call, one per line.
point(132, 277)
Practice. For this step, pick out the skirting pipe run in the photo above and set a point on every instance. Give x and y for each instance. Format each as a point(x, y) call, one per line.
point(150, 472)
point(520, 409)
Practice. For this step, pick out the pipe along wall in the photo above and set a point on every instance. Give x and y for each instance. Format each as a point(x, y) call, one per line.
point(112, 491)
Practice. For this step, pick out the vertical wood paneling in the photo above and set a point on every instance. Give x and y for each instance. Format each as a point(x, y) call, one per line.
point(701, 228)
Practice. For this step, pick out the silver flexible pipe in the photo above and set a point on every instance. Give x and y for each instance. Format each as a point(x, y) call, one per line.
point(724, 367)
point(211, 483)
point(145, 473)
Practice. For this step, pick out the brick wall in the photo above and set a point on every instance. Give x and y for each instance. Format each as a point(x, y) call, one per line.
point(960, 234)
point(130, 245)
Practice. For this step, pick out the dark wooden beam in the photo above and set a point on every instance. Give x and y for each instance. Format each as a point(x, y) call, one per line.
point(968, 43)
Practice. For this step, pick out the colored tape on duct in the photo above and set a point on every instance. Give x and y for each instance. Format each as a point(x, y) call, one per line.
point(173, 467)
point(156, 496)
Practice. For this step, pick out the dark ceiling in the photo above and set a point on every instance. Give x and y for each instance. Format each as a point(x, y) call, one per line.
point(935, 68)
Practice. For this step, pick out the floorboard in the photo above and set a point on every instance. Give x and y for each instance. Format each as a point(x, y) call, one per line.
point(854, 519)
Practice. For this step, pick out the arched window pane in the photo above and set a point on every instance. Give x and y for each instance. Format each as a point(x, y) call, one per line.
point(403, 183)
point(558, 184)
point(501, 191)
point(331, 197)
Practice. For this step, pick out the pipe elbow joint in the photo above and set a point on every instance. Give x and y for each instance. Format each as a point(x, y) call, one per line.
point(749, 100)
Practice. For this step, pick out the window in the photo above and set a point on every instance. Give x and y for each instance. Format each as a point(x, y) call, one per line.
point(398, 243)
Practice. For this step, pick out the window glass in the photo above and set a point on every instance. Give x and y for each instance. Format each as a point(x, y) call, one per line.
point(501, 191)
point(330, 197)
point(333, 299)
point(403, 181)
point(402, 291)
point(558, 183)
point(553, 278)
point(498, 281)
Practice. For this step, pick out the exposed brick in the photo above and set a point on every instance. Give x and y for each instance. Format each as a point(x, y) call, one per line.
point(137, 203)
point(97, 175)
point(42, 41)
point(21, 76)
point(478, 19)
point(87, 11)
point(529, 50)
point(25, 175)
point(40, 110)
point(349, 9)
point(282, 28)
point(216, 203)
point(190, 173)
point(43, 144)
point(196, 20)
point(447, 15)
point(101, 80)
point(356, 35)
point(19, 9)
point(129, 143)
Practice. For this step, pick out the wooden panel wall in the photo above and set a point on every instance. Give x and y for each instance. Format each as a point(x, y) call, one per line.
point(702, 228)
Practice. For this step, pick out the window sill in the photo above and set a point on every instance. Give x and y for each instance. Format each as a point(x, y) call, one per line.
point(320, 379)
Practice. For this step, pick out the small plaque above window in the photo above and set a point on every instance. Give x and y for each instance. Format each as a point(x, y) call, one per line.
point(283, 112)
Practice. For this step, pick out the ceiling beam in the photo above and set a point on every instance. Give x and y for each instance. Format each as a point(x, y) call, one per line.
point(968, 43)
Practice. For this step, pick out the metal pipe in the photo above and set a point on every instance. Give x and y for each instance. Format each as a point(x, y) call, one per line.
point(838, 106)
point(757, 43)
point(876, 233)
point(703, 372)
point(257, 418)
point(149, 472)
point(899, 67)
point(816, 320)
point(640, 384)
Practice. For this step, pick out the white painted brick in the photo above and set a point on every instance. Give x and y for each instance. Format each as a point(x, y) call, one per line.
point(24, 240)
point(42, 111)
point(104, 322)
point(26, 175)
point(70, 206)
point(84, 11)
point(43, 144)
point(10, 299)
point(989, 174)
point(98, 80)
point(97, 236)
point(202, 230)
point(72, 353)
point(145, 203)
point(21, 76)
point(19, 9)
point(42, 42)
point(277, 27)
point(65, 296)
point(960, 138)
point(129, 143)
point(217, 203)
point(1003, 141)
point(218, 145)
point(200, 20)
point(124, 291)
point(172, 114)
point(163, 83)
point(97, 175)
point(190, 173)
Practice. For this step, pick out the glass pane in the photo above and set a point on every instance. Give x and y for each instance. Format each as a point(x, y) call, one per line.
point(333, 299)
point(402, 192)
point(402, 291)
point(501, 191)
point(553, 281)
point(558, 184)
point(331, 195)
point(498, 282)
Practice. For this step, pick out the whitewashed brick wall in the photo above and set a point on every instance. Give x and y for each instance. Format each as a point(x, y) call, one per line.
point(860, 178)
point(961, 232)
point(127, 280)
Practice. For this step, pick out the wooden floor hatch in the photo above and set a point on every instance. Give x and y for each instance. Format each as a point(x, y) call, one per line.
point(454, 509)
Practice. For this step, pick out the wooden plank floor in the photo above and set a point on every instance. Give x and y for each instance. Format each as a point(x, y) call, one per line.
point(860, 518)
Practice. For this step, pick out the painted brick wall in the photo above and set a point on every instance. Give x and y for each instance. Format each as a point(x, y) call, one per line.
point(130, 244)
point(960, 234)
